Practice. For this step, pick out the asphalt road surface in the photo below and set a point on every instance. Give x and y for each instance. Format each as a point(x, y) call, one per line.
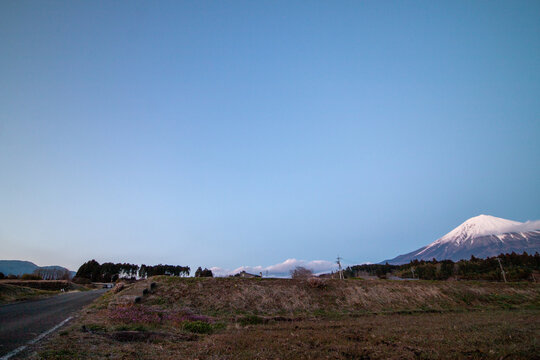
point(24, 321)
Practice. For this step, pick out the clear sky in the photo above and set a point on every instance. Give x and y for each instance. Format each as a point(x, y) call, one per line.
point(231, 133)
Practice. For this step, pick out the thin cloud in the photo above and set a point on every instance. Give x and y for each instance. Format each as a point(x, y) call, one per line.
point(523, 227)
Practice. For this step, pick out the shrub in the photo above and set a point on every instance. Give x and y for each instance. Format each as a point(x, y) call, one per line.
point(251, 320)
point(301, 272)
point(95, 328)
point(198, 327)
point(316, 282)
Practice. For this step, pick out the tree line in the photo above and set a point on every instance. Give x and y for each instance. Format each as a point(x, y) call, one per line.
point(41, 274)
point(203, 273)
point(517, 267)
point(52, 273)
point(108, 272)
point(173, 270)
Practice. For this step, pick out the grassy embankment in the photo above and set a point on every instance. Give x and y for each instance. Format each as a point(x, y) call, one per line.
point(21, 290)
point(12, 293)
point(229, 318)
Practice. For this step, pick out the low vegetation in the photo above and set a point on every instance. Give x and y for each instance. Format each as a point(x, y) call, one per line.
point(11, 293)
point(21, 290)
point(517, 267)
point(50, 285)
point(235, 318)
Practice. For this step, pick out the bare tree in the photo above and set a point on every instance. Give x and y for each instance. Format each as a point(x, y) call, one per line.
point(53, 274)
point(301, 272)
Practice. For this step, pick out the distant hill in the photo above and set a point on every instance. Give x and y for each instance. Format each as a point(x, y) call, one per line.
point(19, 267)
point(482, 236)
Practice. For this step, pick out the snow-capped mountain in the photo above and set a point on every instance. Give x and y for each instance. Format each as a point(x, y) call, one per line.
point(481, 236)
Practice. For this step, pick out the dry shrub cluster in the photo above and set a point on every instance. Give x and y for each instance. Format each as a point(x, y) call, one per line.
point(316, 282)
point(301, 272)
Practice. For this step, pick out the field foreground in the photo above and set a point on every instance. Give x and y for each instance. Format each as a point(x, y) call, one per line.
point(223, 318)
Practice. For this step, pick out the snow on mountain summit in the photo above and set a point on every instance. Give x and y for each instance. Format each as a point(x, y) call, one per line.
point(478, 226)
point(481, 236)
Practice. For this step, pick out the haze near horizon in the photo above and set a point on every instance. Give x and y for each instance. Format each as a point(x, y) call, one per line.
point(248, 133)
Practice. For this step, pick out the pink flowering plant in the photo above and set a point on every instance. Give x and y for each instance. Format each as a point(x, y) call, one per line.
point(143, 315)
point(134, 314)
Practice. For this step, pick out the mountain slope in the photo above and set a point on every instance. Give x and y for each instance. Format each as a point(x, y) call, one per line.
point(19, 267)
point(481, 236)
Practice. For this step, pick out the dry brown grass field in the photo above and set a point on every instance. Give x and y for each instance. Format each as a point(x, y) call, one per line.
point(230, 318)
point(11, 293)
point(21, 290)
point(50, 285)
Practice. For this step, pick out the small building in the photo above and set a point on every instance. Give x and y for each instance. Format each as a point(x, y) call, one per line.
point(244, 274)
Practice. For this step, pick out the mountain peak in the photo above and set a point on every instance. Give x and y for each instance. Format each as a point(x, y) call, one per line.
point(481, 225)
point(481, 236)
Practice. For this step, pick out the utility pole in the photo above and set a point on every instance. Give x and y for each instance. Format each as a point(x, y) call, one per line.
point(340, 269)
point(502, 270)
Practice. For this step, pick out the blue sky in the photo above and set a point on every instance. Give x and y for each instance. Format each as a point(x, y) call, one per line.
point(228, 134)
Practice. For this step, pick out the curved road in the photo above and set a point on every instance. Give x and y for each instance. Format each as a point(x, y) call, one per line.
point(24, 321)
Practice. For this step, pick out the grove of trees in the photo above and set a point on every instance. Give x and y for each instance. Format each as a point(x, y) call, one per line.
point(52, 273)
point(203, 273)
point(109, 271)
point(517, 267)
point(173, 270)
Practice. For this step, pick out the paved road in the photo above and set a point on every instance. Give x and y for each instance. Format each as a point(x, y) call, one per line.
point(22, 322)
